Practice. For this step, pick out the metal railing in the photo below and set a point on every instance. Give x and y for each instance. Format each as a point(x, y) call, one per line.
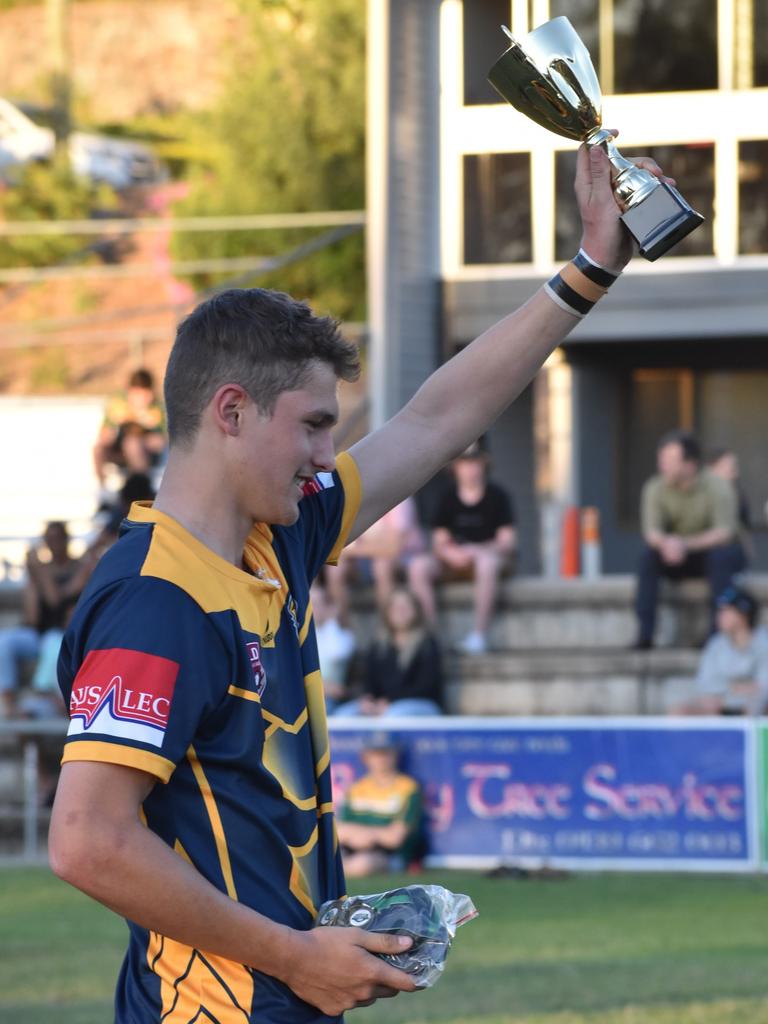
point(32, 733)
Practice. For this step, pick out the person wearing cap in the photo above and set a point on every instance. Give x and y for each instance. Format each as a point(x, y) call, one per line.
point(380, 819)
point(733, 671)
point(474, 537)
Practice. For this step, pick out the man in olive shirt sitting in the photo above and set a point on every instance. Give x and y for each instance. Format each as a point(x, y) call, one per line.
point(690, 526)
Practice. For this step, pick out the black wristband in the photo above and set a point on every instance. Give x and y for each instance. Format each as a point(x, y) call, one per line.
point(568, 297)
point(589, 269)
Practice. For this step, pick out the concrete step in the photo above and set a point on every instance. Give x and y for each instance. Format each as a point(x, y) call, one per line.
point(570, 614)
point(576, 682)
point(537, 664)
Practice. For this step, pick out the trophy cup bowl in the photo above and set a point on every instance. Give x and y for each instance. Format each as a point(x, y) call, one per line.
point(548, 75)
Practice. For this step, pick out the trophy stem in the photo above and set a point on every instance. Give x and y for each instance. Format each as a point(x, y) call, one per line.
point(630, 183)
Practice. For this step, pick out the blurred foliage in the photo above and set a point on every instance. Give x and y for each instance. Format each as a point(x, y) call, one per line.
point(288, 135)
point(50, 191)
point(182, 139)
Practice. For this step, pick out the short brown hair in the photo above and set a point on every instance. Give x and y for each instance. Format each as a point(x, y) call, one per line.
point(262, 340)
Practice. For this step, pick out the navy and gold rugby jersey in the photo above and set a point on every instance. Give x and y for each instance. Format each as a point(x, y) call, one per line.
point(180, 664)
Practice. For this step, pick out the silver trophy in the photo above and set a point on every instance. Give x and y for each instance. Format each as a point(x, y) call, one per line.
point(549, 76)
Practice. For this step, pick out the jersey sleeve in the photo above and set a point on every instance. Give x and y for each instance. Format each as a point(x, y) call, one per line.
point(328, 512)
point(139, 671)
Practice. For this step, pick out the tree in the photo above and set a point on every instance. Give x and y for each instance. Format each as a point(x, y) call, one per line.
point(51, 191)
point(288, 135)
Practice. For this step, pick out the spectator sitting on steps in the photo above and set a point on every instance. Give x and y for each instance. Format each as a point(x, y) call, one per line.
point(690, 527)
point(380, 820)
point(733, 671)
point(724, 462)
point(132, 435)
point(335, 645)
point(53, 585)
point(403, 671)
point(387, 547)
point(474, 537)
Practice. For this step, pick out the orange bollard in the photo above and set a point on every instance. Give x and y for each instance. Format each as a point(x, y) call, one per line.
point(571, 542)
point(591, 547)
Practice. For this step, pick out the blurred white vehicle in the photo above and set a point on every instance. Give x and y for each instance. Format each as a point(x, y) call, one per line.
point(21, 140)
point(117, 162)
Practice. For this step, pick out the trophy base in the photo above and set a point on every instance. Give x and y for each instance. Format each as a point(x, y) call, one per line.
point(660, 220)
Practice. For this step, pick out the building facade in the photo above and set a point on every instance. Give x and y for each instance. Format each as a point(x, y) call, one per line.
point(471, 209)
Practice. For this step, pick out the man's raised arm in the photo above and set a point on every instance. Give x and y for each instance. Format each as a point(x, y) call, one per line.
point(464, 396)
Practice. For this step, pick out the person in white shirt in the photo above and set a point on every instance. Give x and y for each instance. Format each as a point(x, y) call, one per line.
point(335, 645)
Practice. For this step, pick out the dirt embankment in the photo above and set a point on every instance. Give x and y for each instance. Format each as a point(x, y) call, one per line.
point(127, 57)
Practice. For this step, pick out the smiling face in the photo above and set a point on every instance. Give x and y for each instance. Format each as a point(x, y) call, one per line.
point(276, 456)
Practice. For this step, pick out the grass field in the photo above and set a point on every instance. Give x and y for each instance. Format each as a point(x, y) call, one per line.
point(604, 949)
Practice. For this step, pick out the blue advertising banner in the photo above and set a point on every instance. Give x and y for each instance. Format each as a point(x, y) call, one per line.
point(654, 793)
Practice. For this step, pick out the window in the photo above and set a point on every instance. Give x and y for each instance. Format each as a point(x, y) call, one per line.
point(691, 166)
point(757, 45)
point(567, 220)
point(753, 196)
point(654, 402)
point(724, 408)
point(731, 413)
point(497, 208)
point(664, 47)
point(484, 43)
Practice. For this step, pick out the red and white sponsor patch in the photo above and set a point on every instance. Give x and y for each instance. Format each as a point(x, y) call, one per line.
point(319, 483)
point(123, 693)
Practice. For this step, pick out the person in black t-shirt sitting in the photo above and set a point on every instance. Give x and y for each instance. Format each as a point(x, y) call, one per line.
point(474, 537)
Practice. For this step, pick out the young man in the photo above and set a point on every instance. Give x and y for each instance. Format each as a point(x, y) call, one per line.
point(690, 528)
point(195, 792)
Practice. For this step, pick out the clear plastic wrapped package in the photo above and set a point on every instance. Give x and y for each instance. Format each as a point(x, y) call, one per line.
point(429, 914)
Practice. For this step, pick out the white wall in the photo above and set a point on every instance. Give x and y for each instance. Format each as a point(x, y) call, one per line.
point(46, 467)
